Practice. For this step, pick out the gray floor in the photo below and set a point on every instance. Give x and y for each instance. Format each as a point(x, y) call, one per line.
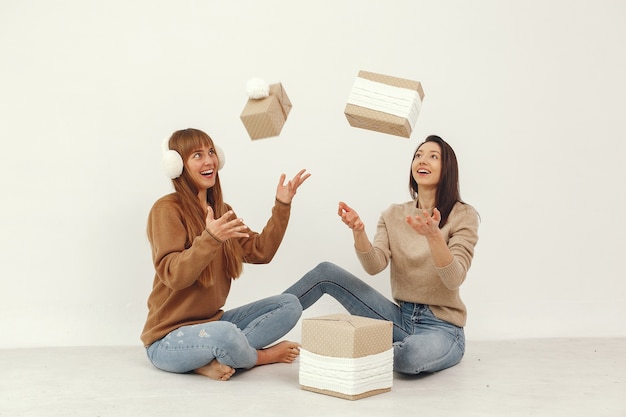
point(543, 377)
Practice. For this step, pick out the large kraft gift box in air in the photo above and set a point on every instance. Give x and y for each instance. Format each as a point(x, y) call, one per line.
point(346, 356)
point(265, 117)
point(385, 104)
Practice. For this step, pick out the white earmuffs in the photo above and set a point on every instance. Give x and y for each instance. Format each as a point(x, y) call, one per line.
point(173, 162)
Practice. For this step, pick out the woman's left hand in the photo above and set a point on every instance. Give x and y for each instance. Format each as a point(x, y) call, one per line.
point(424, 223)
point(285, 193)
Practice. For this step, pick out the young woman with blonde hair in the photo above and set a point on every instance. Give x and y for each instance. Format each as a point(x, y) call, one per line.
point(198, 247)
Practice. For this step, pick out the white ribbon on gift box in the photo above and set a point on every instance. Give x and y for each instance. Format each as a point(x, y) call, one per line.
point(401, 102)
point(350, 376)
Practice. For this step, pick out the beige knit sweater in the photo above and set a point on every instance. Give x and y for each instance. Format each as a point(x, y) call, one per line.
point(414, 277)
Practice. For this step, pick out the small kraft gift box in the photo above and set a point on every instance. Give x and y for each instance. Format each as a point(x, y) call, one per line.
point(264, 117)
point(384, 103)
point(346, 356)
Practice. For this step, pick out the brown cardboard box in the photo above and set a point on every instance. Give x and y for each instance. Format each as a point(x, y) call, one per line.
point(366, 118)
point(264, 118)
point(347, 336)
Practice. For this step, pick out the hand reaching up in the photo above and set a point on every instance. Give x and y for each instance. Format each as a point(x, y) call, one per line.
point(350, 217)
point(285, 192)
point(424, 223)
point(224, 228)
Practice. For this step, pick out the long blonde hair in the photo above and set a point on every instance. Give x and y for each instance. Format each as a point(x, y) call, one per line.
point(194, 214)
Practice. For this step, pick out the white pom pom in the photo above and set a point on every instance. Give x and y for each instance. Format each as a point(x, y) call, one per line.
point(257, 88)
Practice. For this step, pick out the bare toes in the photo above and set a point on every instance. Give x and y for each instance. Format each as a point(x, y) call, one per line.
point(216, 371)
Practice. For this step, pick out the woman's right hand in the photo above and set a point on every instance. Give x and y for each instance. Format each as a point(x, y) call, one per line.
point(350, 217)
point(223, 228)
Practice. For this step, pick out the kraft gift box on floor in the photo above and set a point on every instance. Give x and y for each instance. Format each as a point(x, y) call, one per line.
point(346, 356)
point(384, 103)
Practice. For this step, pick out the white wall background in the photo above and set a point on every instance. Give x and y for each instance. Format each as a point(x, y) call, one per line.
point(530, 94)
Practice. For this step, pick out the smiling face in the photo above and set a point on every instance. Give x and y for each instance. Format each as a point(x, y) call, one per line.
point(426, 166)
point(202, 167)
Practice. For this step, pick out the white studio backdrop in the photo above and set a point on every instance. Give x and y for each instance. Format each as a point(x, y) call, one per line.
point(530, 95)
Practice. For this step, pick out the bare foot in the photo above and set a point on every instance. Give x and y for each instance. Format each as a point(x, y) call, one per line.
point(285, 352)
point(216, 370)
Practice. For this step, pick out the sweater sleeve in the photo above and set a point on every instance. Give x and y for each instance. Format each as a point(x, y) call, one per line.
point(462, 238)
point(377, 258)
point(178, 264)
point(260, 248)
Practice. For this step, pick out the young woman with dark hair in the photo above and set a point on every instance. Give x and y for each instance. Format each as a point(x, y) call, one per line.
point(429, 243)
point(198, 247)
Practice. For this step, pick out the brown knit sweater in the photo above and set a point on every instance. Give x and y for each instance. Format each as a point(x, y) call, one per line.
point(190, 285)
point(414, 277)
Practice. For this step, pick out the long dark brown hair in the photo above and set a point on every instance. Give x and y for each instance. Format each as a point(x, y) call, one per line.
point(448, 192)
point(185, 142)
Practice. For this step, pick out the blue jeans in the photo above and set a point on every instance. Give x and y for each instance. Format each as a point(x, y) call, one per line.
point(421, 341)
point(233, 340)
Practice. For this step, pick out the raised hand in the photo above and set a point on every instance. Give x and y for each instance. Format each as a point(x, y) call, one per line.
point(350, 217)
point(224, 228)
point(424, 223)
point(285, 192)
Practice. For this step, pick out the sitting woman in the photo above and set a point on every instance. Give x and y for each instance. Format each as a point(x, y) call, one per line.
point(198, 248)
point(429, 242)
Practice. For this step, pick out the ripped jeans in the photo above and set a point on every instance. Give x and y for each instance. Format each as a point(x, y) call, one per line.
point(233, 340)
point(421, 341)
